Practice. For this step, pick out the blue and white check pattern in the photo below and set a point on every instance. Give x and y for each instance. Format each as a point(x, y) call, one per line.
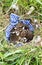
point(27, 22)
point(14, 19)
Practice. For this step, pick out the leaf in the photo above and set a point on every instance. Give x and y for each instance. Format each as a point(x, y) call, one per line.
point(12, 53)
point(39, 2)
point(1, 55)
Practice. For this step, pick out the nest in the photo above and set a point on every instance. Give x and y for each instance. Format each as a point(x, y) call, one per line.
point(21, 33)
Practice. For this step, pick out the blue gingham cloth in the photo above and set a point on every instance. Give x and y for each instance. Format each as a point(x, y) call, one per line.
point(27, 22)
point(14, 19)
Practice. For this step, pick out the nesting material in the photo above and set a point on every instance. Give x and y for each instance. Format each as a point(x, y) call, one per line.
point(31, 10)
point(38, 39)
point(41, 43)
point(19, 30)
point(21, 33)
point(35, 20)
point(14, 6)
point(37, 26)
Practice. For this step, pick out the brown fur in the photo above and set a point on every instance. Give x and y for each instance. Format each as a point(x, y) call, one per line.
point(23, 31)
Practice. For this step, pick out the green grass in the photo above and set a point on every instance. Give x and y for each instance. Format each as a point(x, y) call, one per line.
point(24, 6)
point(21, 56)
point(27, 54)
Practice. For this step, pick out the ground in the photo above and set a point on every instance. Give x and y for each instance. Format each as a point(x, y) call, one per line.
point(27, 53)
